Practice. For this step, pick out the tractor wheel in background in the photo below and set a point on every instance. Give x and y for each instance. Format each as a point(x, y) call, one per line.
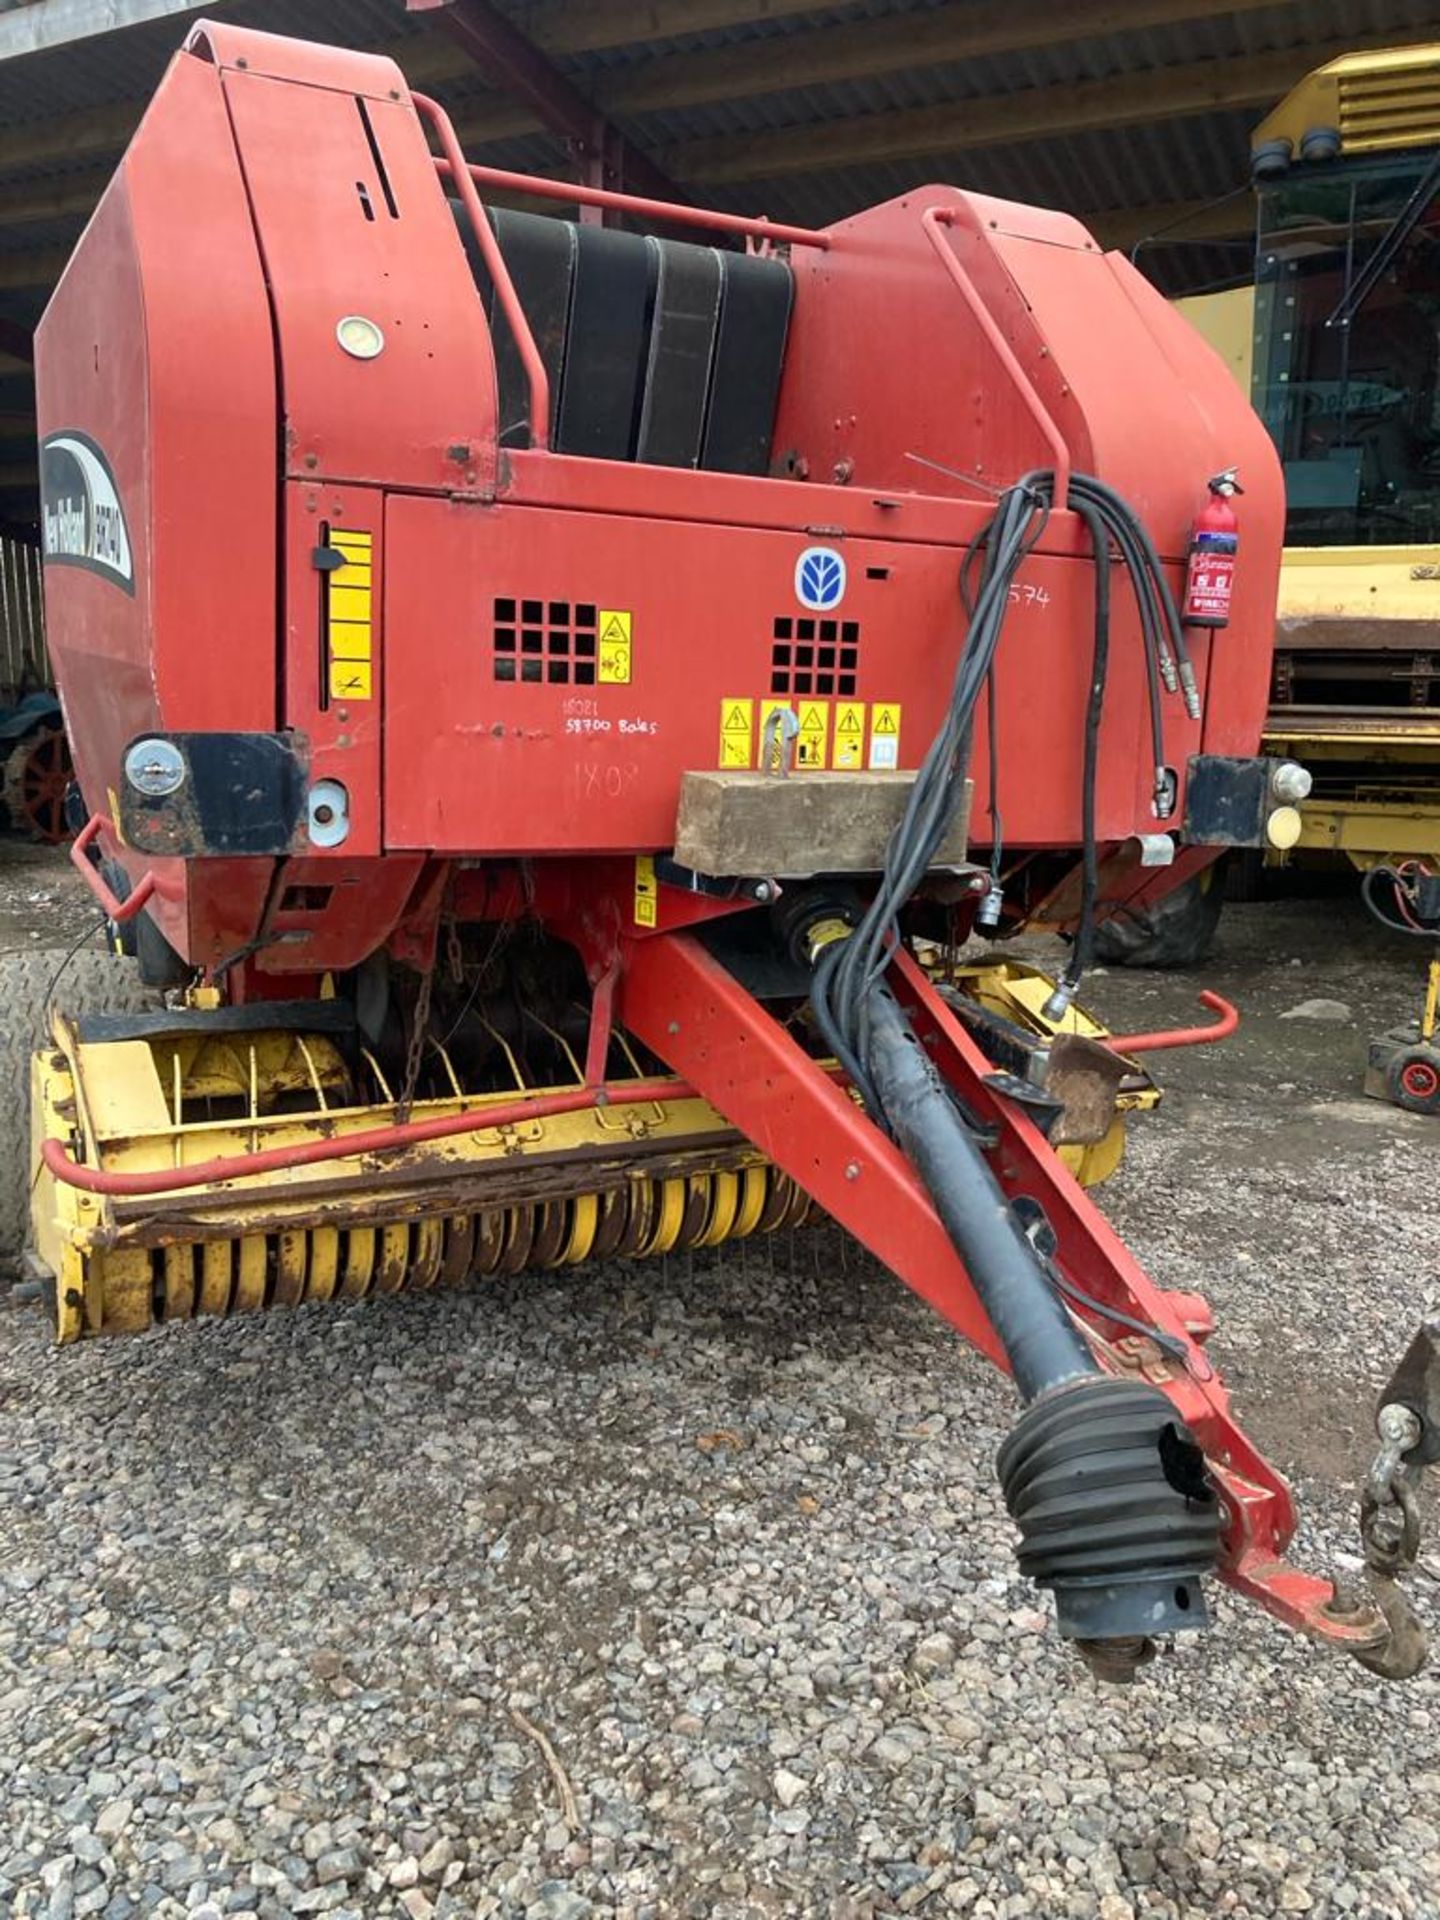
point(1412, 1079)
point(1178, 931)
point(36, 780)
point(90, 983)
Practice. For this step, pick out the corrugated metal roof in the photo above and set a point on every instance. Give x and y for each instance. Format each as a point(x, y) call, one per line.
point(1160, 162)
point(1087, 171)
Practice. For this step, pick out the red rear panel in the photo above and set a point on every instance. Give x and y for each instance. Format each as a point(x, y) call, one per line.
point(507, 628)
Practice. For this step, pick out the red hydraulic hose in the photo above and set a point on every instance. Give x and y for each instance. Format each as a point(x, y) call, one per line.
point(306, 1153)
point(1220, 1029)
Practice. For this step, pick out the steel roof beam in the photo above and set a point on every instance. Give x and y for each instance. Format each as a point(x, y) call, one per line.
point(603, 154)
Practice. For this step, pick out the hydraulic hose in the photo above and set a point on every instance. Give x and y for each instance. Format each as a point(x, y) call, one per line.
point(1045, 1348)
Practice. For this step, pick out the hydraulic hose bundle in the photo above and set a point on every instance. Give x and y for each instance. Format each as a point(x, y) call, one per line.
point(1109, 1491)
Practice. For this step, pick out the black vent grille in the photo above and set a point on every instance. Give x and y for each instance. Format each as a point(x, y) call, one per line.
point(545, 641)
point(814, 656)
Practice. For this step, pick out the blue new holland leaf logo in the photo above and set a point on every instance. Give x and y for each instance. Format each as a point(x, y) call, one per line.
point(820, 578)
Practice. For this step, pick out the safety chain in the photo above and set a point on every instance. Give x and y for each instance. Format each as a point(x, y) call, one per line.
point(1389, 1511)
point(416, 1049)
point(1390, 1531)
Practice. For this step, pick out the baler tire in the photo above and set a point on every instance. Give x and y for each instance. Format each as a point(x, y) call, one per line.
point(1178, 931)
point(91, 983)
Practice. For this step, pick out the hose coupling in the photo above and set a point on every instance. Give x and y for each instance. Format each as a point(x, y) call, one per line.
point(1192, 691)
point(1058, 1005)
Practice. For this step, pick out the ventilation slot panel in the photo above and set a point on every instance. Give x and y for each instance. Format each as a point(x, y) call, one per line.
point(812, 656)
point(544, 642)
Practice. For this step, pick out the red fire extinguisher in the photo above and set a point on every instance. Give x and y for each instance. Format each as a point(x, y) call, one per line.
point(1214, 543)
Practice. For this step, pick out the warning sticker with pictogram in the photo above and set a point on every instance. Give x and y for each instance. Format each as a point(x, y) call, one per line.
point(849, 734)
point(647, 891)
point(814, 733)
point(884, 735)
point(737, 732)
point(773, 754)
point(614, 659)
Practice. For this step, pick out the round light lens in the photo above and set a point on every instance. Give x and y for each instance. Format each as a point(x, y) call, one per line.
point(360, 338)
point(1282, 829)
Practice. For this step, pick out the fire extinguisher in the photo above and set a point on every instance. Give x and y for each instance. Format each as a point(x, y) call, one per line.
point(1214, 543)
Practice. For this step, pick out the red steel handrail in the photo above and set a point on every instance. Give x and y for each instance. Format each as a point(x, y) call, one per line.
point(535, 375)
point(932, 219)
point(307, 1153)
point(115, 909)
point(1220, 1029)
point(576, 195)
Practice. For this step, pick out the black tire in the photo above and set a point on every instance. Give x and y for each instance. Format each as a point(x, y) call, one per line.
point(1178, 931)
point(91, 983)
point(1412, 1079)
point(160, 965)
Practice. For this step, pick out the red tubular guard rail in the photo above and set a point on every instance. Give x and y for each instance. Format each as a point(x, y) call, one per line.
point(307, 1153)
point(1220, 1029)
point(115, 909)
point(536, 377)
point(709, 219)
point(933, 219)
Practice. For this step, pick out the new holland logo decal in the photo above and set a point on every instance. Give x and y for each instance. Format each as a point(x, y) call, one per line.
point(82, 522)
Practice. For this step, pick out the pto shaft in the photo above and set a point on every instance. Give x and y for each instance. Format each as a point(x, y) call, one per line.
point(1116, 1513)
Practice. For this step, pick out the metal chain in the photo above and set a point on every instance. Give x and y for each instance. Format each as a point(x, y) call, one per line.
point(1389, 1512)
point(416, 1049)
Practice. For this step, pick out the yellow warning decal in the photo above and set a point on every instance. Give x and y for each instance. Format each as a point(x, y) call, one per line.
point(849, 734)
point(737, 733)
point(884, 735)
point(646, 887)
point(614, 625)
point(348, 611)
point(349, 679)
point(810, 743)
point(772, 739)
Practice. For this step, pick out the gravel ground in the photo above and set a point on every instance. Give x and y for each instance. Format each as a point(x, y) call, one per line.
point(685, 1589)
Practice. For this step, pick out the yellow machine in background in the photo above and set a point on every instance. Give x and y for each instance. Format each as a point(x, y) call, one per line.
point(1338, 340)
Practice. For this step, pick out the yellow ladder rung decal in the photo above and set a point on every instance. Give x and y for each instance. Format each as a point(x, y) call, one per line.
point(349, 640)
point(349, 603)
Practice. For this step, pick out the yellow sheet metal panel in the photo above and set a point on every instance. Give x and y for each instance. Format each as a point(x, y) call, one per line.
point(1371, 834)
point(1359, 583)
point(123, 1090)
point(1375, 101)
point(1227, 321)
